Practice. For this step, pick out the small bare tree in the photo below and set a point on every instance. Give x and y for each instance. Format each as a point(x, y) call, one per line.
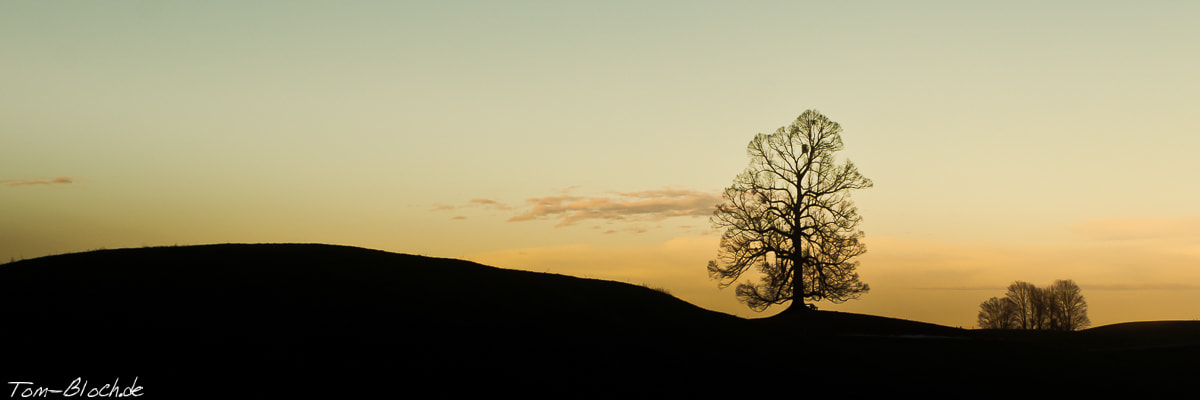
point(1024, 296)
point(1043, 315)
point(1068, 305)
point(789, 216)
point(998, 313)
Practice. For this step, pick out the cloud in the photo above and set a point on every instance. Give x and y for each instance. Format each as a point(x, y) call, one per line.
point(19, 182)
point(474, 203)
point(638, 206)
point(487, 203)
point(649, 205)
point(1117, 229)
point(1149, 286)
point(930, 265)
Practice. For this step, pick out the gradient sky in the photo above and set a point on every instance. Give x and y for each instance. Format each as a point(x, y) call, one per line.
point(1007, 141)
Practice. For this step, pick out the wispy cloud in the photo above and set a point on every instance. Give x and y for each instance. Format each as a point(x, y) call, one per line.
point(649, 205)
point(487, 203)
point(474, 203)
point(964, 288)
point(22, 182)
point(1142, 286)
point(1160, 228)
point(920, 264)
point(569, 209)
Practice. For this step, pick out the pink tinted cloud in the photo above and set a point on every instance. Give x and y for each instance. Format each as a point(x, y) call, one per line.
point(21, 182)
point(651, 205)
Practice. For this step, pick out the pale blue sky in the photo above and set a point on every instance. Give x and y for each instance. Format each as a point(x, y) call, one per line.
point(376, 123)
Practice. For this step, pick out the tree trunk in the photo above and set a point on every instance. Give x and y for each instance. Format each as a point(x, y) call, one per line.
point(797, 305)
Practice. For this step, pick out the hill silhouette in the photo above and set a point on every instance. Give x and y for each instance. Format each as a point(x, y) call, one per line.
point(276, 320)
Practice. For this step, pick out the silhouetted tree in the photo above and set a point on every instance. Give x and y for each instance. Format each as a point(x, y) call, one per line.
point(998, 313)
point(1043, 310)
point(789, 216)
point(1024, 297)
point(1069, 307)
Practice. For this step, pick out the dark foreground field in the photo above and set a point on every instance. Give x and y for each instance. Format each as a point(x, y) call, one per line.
point(278, 321)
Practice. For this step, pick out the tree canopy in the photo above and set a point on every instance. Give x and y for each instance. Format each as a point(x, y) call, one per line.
point(790, 217)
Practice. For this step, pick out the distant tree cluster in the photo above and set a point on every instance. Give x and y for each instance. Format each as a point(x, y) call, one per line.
point(1060, 307)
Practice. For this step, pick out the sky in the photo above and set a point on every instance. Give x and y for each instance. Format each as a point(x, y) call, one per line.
point(1007, 141)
